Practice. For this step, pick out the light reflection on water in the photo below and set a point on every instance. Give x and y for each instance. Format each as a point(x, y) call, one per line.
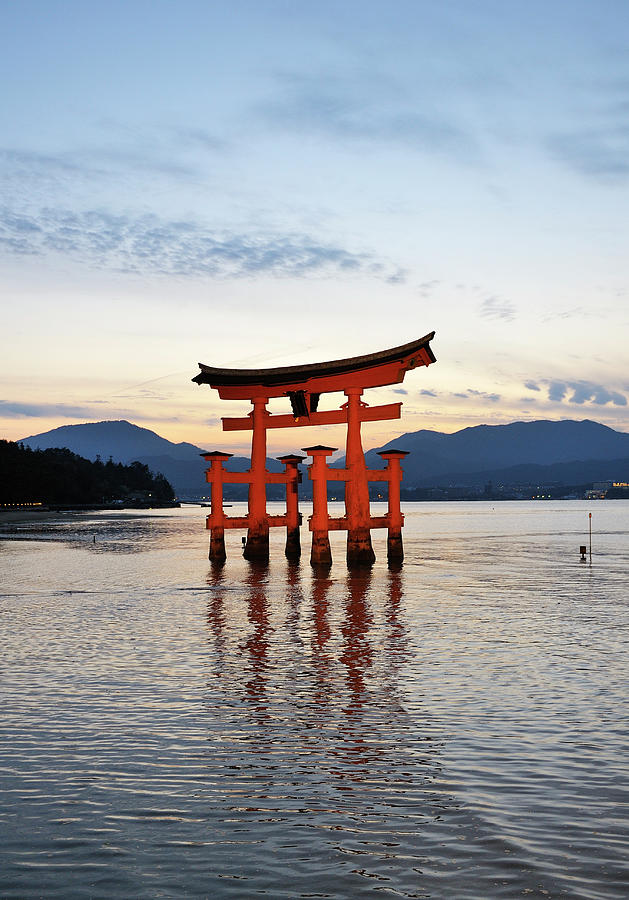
point(452, 729)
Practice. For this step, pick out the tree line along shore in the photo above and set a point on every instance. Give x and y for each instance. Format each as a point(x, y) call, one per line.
point(57, 477)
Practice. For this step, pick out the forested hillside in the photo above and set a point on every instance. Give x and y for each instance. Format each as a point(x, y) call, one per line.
point(59, 476)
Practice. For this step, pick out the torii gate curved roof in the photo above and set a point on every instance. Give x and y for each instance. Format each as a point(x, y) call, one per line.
point(371, 370)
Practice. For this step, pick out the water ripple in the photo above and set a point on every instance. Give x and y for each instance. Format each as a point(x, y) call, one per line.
point(454, 729)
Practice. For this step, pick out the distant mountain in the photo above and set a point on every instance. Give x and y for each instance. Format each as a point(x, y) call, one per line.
point(124, 442)
point(484, 452)
point(121, 440)
point(565, 452)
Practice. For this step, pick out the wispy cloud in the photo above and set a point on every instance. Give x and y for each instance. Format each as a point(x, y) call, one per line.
point(150, 245)
point(365, 109)
point(93, 411)
point(471, 394)
point(532, 386)
point(426, 288)
point(200, 138)
point(601, 153)
point(91, 164)
point(426, 393)
point(574, 312)
point(495, 308)
point(599, 149)
point(10, 410)
point(398, 276)
point(482, 395)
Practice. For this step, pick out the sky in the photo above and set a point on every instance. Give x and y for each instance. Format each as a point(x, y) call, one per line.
point(271, 182)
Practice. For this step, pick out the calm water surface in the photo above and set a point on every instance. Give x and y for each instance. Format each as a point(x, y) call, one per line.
point(456, 729)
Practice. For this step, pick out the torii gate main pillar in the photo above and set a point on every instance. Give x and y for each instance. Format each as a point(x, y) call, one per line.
point(257, 545)
point(359, 549)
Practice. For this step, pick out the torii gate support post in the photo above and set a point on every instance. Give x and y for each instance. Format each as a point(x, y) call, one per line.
point(320, 554)
point(359, 549)
point(293, 544)
point(257, 545)
point(216, 520)
point(395, 548)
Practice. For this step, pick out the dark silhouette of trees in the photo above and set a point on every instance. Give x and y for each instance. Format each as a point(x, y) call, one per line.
point(60, 476)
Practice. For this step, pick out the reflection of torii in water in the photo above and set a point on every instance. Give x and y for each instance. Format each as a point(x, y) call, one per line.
point(303, 386)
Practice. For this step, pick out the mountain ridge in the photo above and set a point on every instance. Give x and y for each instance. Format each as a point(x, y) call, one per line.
point(541, 449)
point(483, 448)
point(87, 440)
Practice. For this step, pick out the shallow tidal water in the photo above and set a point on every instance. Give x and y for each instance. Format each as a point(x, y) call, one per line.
point(454, 729)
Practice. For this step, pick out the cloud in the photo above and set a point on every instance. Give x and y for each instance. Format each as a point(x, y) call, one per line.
point(427, 393)
point(575, 312)
point(494, 308)
point(556, 391)
point(16, 410)
point(492, 398)
point(91, 165)
point(198, 137)
point(426, 288)
point(584, 392)
point(31, 164)
point(397, 277)
point(471, 394)
point(597, 153)
point(400, 391)
point(150, 245)
point(368, 108)
point(532, 386)
point(10, 410)
point(599, 149)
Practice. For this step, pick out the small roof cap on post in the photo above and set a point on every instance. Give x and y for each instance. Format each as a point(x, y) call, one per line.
point(393, 453)
point(215, 454)
point(290, 457)
point(319, 449)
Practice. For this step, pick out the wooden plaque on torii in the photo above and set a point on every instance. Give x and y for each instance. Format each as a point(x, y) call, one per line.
point(303, 386)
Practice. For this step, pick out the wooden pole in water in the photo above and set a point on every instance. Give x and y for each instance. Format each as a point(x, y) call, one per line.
point(590, 520)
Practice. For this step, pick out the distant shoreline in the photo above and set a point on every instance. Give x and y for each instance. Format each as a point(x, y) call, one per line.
point(42, 513)
point(8, 516)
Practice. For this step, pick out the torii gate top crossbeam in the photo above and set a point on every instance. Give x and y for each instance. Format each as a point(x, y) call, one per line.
point(371, 370)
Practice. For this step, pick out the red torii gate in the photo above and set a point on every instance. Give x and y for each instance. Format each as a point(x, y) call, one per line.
point(303, 385)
